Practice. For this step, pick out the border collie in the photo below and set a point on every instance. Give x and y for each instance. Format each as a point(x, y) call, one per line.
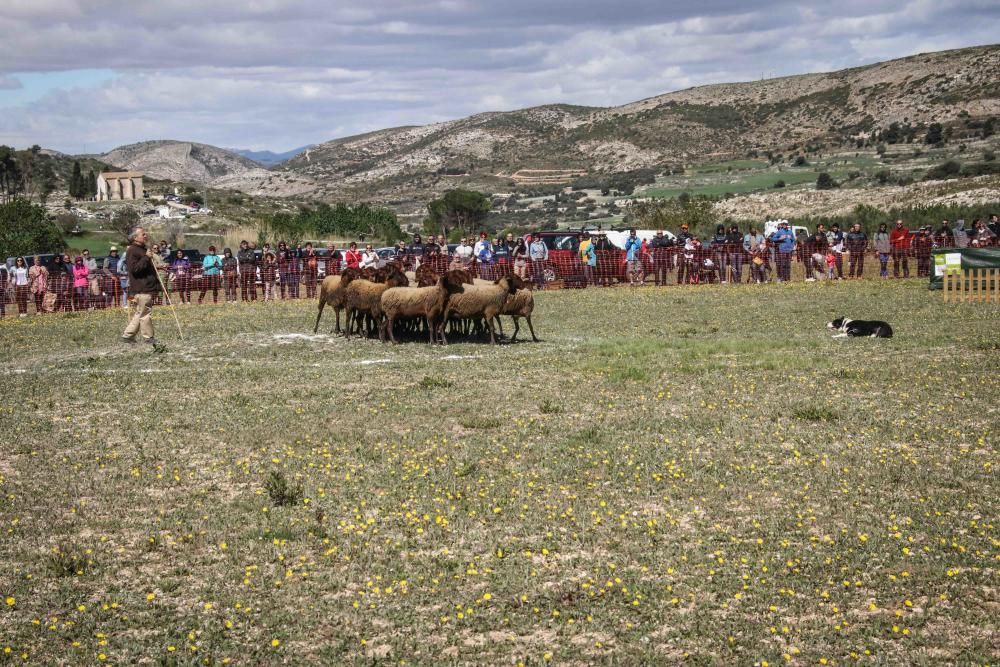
point(869, 328)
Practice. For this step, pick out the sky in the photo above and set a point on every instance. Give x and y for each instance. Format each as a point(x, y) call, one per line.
point(85, 76)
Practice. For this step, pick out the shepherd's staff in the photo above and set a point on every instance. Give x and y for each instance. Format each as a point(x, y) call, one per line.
point(169, 303)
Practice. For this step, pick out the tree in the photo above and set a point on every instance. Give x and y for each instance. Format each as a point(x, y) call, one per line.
point(124, 220)
point(25, 229)
point(66, 222)
point(825, 182)
point(670, 214)
point(76, 185)
point(459, 208)
point(935, 134)
point(91, 185)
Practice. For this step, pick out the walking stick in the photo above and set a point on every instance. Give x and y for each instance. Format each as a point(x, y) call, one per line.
point(169, 303)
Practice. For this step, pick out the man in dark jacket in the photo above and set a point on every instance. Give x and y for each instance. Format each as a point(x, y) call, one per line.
point(857, 244)
point(814, 256)
point(143, 285)
point(247, 260)
point(661, 257)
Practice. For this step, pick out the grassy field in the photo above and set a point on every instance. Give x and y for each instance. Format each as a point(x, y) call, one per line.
point(681, 474)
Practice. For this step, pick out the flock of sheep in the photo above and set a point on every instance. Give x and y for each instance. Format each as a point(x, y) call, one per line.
point(383, 299)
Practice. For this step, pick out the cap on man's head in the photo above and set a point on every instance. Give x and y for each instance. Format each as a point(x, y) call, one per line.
point(113, 249)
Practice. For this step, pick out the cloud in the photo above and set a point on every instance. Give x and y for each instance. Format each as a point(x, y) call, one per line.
point(10, 83)
point(279, 73)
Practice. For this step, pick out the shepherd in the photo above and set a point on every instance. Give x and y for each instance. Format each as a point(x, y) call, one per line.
point(143, 285)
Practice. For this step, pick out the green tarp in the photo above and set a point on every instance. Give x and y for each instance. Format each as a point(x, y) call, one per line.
point(955, 259)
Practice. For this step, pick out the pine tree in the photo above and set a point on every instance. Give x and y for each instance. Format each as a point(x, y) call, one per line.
point(90, 187)
point(76, 182)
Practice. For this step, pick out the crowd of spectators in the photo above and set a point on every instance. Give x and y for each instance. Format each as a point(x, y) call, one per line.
point(289, 272)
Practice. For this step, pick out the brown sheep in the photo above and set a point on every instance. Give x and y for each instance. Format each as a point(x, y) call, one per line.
point(426, 275)
point(521, 304)
point(364, 296)
point(426, 302)
point(331, 293)
point(485, 301)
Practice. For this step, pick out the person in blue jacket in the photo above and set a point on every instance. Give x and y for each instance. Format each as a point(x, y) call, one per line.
point(784, 239)
point(212, 264)
point(632, 257)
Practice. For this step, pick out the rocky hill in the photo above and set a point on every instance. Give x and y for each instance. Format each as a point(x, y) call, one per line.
point(724, 120)
point(183, 161)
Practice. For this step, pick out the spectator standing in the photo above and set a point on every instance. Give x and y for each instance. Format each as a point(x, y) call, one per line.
point(143, 284)
point(416, 251)
point(463, 254)
point(589, 261)
point(995, 225)
point(246, 260)
point(109, 269)
point(982, 235)
point(284, 269)
point(369, 258)
point(294, 271)
point(81, 282)
point(38, 283)
point(93, 278)
point(180, 276)
point(352, 258)
point(758, 272)
point(333, 259)
point(5, 287)
point(923, 243)
point(21, 283)
point(633, 257)
point(717, 246)
point(899, 240)
point(836, 239)
point(784, 242)
point(538, 252)
point(883, 247)
point(483, 251)
point(814, 255)
point(660, 249)
point(944, 238)
point(683, 236)
point(520, 256)
point(230, 274)
point(310, 269)
point(734, 248)
point(211, 265)
point(752, 241)
point(857, 243)
point(268, 274)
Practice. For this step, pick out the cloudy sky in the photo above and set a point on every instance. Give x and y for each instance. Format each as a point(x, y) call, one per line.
point(89, 75)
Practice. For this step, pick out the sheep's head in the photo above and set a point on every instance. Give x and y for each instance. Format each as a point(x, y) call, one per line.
point(452, 282)
point(426, 276)
point(395, 277)
point(368, 273)
point(512, 283)
point(349, 274)
point(461, 276)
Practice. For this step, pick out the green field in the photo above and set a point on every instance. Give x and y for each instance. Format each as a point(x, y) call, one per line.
point(736, 184)
point(672, 475)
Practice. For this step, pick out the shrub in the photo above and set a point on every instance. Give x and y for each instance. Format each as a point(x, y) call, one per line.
point(949, 169)
point(779, 184)
point(280, 491)
point(825, 182)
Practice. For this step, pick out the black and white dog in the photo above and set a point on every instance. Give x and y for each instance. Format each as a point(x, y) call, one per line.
point(869, 328)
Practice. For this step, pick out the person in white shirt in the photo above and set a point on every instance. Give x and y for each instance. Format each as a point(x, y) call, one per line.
point(369, 257)
point(538, 252)
point(19, 278)
point(463, 254)
point(484, 253)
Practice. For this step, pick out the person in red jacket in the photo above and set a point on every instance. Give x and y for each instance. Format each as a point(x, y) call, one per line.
point(352, 258)
point(899, 242)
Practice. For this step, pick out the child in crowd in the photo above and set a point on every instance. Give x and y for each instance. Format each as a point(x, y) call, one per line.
point(268, 271)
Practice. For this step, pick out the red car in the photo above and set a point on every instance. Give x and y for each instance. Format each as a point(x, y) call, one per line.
point(564, 261)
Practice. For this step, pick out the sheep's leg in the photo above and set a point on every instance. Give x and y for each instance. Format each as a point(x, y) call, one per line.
point(348, 322)
point(493, 333)
point(517, 327)
point(533, 336)
point(499, 324)
point(337, 311)
point(322, 302)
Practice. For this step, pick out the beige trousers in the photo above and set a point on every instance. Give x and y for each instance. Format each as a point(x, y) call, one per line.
point(142, 320)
